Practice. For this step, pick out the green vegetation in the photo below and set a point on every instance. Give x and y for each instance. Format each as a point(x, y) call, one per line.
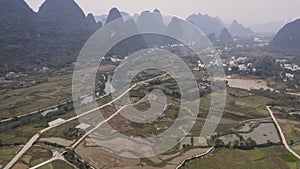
point(21, 101)
point(266, 66)
point(20, 130)
point(240, 105)
point(66, 131)
point(267, 158)
point(19, 135)
point(36, 155)
point(57, 164)
point(246, 105)
point(7, 153)
point(291, 130)
point(279, 99)
point(73, 158)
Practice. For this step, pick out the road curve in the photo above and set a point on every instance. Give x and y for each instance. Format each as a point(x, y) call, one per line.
point(196, 156)
point(286, 145)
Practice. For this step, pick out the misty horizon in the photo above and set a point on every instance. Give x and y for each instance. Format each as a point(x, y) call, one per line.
point(247, 13)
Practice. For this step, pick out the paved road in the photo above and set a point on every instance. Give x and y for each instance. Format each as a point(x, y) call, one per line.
point(196, 156)
point(22, 151)
point(101, 123)
point(295, 94)
point(36, 136)
point(56, 156)
point(286, 145)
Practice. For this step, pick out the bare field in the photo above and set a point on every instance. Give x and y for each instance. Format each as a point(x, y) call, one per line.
point(58, 140)
point(248, 84)
point(262, 158)
point(100, 158)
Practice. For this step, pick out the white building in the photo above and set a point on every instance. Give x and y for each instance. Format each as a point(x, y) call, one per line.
point(242, 67)
point(291, 67)
point(83, 126)
point(289, 75)
point(55, 122)
point(282, 61)
point(115, 59)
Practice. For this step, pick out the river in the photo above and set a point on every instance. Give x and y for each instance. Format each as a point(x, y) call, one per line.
point(108, 90)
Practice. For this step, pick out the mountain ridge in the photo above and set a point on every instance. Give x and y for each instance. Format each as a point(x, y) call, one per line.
point(288, 38)
point(237, 29)
point(206, 23)
point(50, 37)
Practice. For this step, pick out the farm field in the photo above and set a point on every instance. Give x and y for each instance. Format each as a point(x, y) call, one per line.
point(57, 164)
point(291, 129)
point(16, 102)
point(7, 153)
point(34, 156)
point(89, 151)
point(241, 105)
point(265, 158)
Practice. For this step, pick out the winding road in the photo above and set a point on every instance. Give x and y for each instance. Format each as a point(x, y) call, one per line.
point(286, 145)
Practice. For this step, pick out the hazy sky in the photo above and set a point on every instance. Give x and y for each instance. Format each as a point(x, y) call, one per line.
point(246, 11)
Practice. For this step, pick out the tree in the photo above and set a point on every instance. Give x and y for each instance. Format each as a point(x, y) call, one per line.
point(251, 143)
point(236, 143)
point(219, 143)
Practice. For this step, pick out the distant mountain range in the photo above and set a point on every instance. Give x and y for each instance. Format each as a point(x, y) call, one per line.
point(55, 34)
point(237, 29)
point(51, 37)
point(214, 25)
point(103, 18)
point(288, 38)
point(207, 23)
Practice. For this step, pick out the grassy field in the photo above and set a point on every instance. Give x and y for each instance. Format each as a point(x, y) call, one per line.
point(62, 131)
point(19, 135)
point(21, 101)
point(263, 158)
point(291, 129)
point(36, 155)
point(296, 149)
point(241, 102)
point(57, 164)
point(22, 133)
point(6, 154)
point(240, 105)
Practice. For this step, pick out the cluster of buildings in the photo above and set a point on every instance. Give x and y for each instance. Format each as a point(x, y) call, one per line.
point(284, 63)
point(289, 67)
point(239, 64)
point(13, 75)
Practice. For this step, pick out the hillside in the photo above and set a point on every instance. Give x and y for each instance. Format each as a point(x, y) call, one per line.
point(18, 32)
point(237, 29)
point(52, 37)
point(288, 38)
point(207, 23)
